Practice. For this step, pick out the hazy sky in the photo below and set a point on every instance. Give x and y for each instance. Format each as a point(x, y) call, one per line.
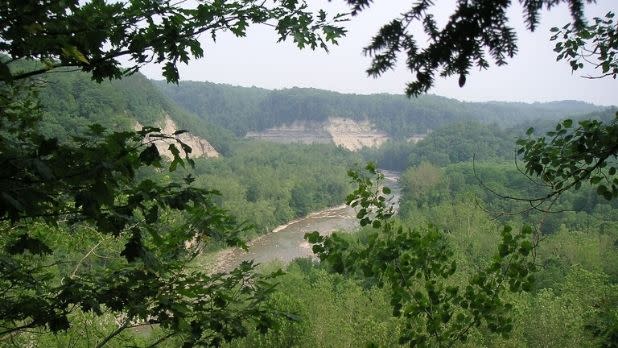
point(533, 75)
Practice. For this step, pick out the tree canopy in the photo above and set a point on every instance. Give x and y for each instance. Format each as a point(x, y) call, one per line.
point(477, 29)
point(107, 188)
point(475, 33)
point(96, 225)
point(94, 35)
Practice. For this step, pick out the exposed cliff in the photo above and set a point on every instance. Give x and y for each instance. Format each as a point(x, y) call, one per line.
point(200, 147)
point(354, 135)
point(304, 132)
point(345, 132)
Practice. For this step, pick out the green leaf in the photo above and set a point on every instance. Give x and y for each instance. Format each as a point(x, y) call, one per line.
point(150, 155)
point(568, 123)
point(174, 150)
point(313, 237)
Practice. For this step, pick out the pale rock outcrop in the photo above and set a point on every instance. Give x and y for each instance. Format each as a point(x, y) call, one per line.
point(199, 147)
point(344, 132)
point(298, 132)
point(354, 135)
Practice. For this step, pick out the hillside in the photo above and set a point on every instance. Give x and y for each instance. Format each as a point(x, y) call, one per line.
point(345, 132)
point(242, 110)
point(72, 101)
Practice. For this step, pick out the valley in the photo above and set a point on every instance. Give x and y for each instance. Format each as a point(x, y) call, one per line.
point(142, 209)
point(286, 242)
point(272, 166)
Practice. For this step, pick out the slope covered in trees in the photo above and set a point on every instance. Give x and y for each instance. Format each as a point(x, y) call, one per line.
point(265, 185)
point(71, 101)
point(242, 109)
point(98, 239)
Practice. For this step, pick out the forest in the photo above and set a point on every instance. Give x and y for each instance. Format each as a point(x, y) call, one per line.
point(501, 229)
point(241, 109)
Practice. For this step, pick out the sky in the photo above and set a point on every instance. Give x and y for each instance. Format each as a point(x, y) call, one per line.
point(532, 76)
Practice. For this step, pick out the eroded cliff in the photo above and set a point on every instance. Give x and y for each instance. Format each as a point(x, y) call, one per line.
point(199, 147)
point(345, 132)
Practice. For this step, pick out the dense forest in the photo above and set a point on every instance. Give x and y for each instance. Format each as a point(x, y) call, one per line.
point(500, 230)
point(241, 109)
point(72, 101)
point(261, 184)
point(573, 300)
point(264, 185)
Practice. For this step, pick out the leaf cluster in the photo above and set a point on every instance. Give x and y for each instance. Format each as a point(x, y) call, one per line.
point(96, 181)
point(93, 35)
point(476, 32)
point(419, 268)
point(595, 44)
point(568, 156)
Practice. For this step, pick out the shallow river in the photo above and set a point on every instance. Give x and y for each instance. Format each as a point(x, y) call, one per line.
point(286, 242)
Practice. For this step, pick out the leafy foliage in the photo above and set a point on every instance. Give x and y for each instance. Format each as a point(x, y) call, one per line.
point(595, 44)
point(93, 35)
point(418, 267)
point(474, 31)
point(332, 310)
point(96, 179)
point(269, 184)
point(570, 156)
point(94, 183)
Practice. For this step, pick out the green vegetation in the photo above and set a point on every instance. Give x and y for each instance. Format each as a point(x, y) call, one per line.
point(88, 179)
point(241, 109)
point(72, 101)
point(104, 243)
point(574, 285)
point(268, 184)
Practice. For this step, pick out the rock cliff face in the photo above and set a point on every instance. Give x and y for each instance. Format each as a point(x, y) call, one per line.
point(297, 132)
point(200, 147)
point(344, 132)
point(354, 135)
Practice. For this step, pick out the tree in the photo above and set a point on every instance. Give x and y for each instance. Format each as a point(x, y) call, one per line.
point(436, 313)
point(475, 30)
point(418, 267)
point(571, 155)
point(95, 187)
point(92, 35)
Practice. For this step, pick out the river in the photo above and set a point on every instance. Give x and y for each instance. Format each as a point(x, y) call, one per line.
point(286, 243)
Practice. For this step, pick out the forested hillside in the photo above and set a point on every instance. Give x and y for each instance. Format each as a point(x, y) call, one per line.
point(263, 185)
point(500, 228)
point(71, 101)
point(241, 109)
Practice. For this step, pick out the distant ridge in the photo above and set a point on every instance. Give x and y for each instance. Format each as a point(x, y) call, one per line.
point(71, 101)
point(250, 109)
